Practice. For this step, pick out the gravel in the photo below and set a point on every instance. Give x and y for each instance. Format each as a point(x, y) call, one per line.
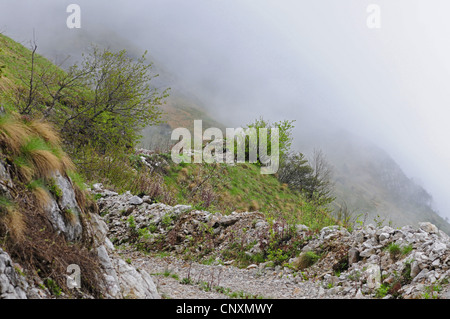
point(168, 273)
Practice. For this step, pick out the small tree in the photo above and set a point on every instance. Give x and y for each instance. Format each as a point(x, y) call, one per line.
point(105, 101)
point(322, 186)
point(296, 172)
point(120, 101)
point(285, 128)
point(314, 179)
point(28, 99)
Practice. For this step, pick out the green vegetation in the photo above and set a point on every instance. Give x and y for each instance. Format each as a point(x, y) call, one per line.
point(284, 138)
point(242, 188)
point(53, 287)
point(396, 251)
point(313, 179)
point(101, 103)
point(54, 188)
point(32, 151)
point(131, 222)
point(382, 291)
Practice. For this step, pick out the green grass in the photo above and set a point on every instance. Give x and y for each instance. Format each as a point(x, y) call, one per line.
point(396, 251)
point(15, 58)
point(77, 179)
point(242, 188)
point(407, 249)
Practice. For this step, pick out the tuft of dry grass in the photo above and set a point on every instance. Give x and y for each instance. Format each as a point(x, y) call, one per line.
point(24, 169)
point(67, 163)
point(45, 163)
point(35, 147)
point(15, 225)
point(254, 206)
point(70, 216)
point(40, 157)
point(46, 131)
point(13, 133)
point(11, 220)
point(40, 192)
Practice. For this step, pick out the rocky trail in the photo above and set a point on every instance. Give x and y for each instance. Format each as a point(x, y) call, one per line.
point(224, 281)
point(369, 262)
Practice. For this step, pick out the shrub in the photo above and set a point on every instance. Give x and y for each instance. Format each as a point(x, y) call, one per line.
point(296, 172)
point(113, 100)
point(382, 291)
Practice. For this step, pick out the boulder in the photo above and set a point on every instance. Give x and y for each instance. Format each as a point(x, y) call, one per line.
point(353, 256)
point(135, 200)
point(428, 227)
point(373, 273)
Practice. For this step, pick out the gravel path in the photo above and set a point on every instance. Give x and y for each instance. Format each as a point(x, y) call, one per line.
point(168, 273)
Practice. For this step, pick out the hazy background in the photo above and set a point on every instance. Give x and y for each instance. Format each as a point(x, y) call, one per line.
point(313, 61)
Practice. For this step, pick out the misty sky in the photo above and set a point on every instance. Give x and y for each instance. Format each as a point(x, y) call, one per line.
point(313, 61)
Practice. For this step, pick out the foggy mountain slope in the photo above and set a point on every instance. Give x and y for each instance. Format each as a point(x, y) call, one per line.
point(179, 110)
point(368, 180)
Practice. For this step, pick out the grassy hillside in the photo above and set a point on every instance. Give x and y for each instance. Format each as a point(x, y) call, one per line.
point(242, 188)
point(15, 75)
